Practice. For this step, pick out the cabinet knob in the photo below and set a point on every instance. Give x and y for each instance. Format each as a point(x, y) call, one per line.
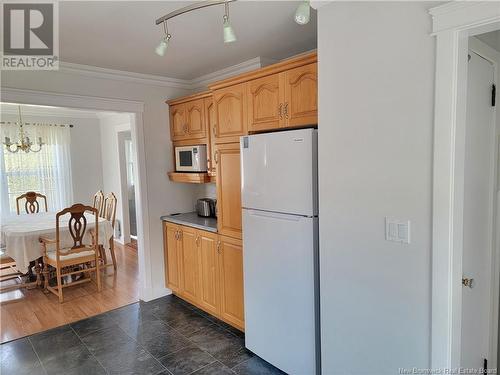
point(218, 247)
point(286, 110)
point(216, 157)
point(280, 111)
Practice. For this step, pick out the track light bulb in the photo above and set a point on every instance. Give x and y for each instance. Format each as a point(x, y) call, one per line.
point(162, 46)
point(229, 35)
point(303, 13)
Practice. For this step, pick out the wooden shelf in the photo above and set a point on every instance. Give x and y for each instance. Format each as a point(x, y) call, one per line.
point(190, 178)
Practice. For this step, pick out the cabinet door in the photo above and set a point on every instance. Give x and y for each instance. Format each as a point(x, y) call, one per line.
point(230, 113)
point(208, 271)
point(265, 108)
point(189, 261)
point(301, 96)
point(231, 280)
point(172, 249)
point(195, 119)
point(178, 127)
point(211, 128)
point(227, 157)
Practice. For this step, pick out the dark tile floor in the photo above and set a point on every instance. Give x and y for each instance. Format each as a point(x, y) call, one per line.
point(164, 336)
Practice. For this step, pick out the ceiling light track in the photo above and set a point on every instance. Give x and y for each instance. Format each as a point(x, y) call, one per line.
point(228, 32)
point(190, 8)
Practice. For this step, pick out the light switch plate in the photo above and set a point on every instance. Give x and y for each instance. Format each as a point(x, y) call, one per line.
point(397, 230)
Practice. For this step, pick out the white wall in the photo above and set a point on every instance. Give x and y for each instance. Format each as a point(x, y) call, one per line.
point(376, 86)
point(164, 196)
point(110, 127)
point(85, 150)
point(86, 165)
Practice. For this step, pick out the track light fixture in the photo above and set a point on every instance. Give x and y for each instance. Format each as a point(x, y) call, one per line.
point(229, 35)
point(303, 13)
point(162, 46)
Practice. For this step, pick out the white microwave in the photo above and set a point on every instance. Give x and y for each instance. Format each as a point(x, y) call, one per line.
point(191, 158)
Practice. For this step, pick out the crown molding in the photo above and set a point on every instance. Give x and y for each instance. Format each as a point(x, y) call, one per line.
point(463, 14)
point(122, 75)
point(162, 81)
point(243, 67)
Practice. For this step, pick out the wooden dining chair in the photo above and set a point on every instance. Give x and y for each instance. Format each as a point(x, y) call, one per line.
point(64, 259)
point(109, 213)
point(98, 202)
point(31, 205)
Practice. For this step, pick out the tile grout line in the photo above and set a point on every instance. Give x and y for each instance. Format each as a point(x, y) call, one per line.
point(88, 349)
point(144, 348)
point(37, 356)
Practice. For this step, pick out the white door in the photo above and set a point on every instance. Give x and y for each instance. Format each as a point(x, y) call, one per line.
point(478, 213)
point(279, 172)
point(279, 264)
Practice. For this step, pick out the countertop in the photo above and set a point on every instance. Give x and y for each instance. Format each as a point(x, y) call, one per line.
point(191, 219)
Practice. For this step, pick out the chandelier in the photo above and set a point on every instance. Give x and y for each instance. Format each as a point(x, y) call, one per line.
point(24, 143)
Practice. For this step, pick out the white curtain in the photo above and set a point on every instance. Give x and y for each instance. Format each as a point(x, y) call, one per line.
point(47, 172)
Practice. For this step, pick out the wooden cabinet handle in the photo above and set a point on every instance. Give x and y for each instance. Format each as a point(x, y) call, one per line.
point(216, 157)
point(286, 110)
point(214, 130)
point(280, 111)
point(197, 241)
point(185, 128)
point(218, 247)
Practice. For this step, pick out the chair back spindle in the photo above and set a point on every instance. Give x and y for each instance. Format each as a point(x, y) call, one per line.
point(31, 204)
point(98, 202)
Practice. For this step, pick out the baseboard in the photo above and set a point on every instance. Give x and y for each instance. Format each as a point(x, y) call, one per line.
point(150, 294)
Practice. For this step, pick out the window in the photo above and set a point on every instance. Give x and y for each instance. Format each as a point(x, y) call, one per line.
point(47, 172)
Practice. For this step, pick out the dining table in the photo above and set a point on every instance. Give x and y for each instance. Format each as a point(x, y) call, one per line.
point(19, 235)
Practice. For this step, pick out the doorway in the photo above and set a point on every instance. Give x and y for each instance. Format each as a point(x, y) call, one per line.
point(453, 27)
point(478, 214)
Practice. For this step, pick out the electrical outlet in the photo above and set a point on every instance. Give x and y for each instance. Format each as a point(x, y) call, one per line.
point(397, 230)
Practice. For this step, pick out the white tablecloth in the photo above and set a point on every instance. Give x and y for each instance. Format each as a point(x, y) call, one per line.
point(19, 235)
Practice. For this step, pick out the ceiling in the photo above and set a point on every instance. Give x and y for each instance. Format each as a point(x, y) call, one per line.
point(122, 35)
point(492, 39)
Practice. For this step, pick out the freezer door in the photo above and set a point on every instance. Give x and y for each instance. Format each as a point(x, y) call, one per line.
point(279, 172)
point(279, 260)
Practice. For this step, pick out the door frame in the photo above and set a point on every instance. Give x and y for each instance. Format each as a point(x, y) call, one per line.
point(452, 25)
point(122, 135)
point(135, 109)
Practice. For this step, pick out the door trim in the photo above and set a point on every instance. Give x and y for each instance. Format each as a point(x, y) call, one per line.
point(453, 24)
point(135, 110)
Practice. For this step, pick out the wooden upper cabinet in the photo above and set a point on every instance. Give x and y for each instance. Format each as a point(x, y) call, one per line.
point(265, 105)
point(230, 113)
point(172, 256)
point(189, 260)
point(231, 281)
point(178, 127)
point(211, 129)
point(301, 95)
point(227, 157)
point(195, 119)
point(208, 261)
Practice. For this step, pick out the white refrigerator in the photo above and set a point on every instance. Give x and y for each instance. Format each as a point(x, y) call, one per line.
point(280, 248)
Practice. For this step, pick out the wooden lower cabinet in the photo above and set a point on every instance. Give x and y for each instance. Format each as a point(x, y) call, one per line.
point(206, 269)
point(231, 281)
point(189, 260)
point(172, 248)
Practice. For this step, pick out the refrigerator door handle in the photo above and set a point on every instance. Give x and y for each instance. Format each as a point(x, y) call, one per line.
point(275, 215)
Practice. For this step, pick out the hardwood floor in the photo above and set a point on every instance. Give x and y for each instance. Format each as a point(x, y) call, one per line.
point(25, 312)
